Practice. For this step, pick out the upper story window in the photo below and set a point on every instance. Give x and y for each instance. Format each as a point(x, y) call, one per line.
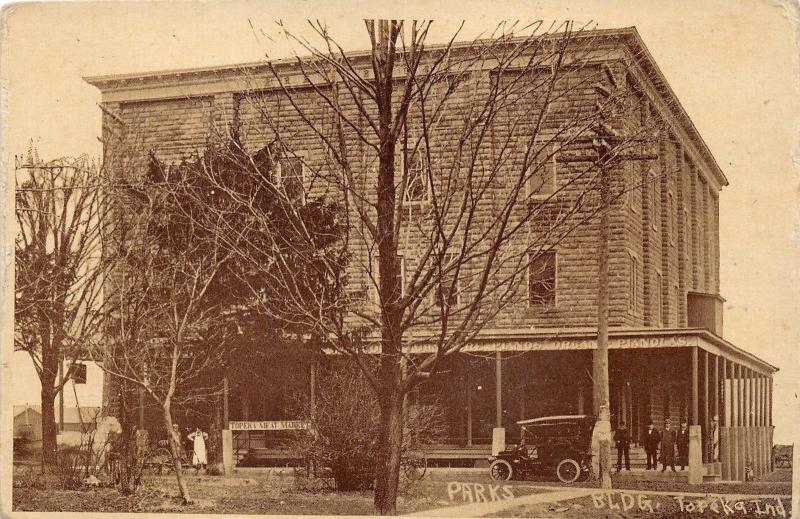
point(542, 279)
point(375, 278)
point(291, 177)
point(671, 215)
point(632, 192)
point(417, 190)
point(634, 279)
point(417, 184)
point(78, 373)
point(677, 295)
point(543, 178)
point(658, 311)
point(447, 289)
point(687, 230)
point(653, 202)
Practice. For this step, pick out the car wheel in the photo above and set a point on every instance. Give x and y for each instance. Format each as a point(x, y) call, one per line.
point(568, 471)
point(500, 470)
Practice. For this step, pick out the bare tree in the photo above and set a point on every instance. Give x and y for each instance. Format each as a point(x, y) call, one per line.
point(59, 273)
point(443, 160)
point(171, 309)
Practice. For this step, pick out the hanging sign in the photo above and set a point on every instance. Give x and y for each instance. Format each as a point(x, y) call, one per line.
point(275, 425)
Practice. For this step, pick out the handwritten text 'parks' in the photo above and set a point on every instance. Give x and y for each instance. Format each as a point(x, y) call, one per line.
point(478, 493)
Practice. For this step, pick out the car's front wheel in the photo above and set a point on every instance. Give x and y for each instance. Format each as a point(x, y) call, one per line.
point(500, 470)
point(568, 471)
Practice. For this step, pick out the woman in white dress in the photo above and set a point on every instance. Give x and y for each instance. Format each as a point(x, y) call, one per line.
point(199, 438)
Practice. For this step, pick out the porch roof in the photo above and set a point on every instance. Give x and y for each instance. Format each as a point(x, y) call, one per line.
point(565, 339)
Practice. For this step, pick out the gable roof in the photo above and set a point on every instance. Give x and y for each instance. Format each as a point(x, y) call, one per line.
point(71, 414)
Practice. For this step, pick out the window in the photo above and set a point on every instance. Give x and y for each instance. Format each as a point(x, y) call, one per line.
point(632, 194)
point(653, 200)
point(542, 279)
point(357, 295)
point(677, 304)
point(402, 261)
point(291, 175)
point(542, 181)
point(375, 274)
point(687, 234)
point(657, 310)
point(448, 284)
point(416, 191)
point(671, 219)
point(634, 286)
point(78, 374)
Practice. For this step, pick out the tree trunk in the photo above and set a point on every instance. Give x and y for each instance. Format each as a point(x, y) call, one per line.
point(174, 450)
point(215, 437)
point(51, 357)
point(50, 360)
point(49, 432)
point(387, 477)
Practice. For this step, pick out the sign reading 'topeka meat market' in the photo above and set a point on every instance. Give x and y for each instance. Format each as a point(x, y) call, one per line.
point(275, 425)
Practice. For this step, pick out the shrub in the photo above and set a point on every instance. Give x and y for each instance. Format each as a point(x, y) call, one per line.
point(71, 466)
point(341, 443)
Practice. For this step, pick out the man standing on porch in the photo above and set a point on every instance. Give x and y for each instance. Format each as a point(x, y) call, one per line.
point(651, 440)
point(623, 441)
point(668, 447)
point(683, 445)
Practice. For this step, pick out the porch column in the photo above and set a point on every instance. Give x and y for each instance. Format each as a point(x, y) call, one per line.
point(468, 388)
point(498, 388)
point(745, 398)
point(141, 408)
point(750, 399)
point(764, 397)
point(225, 403)
point(754, 377)
point(758, 399)
point(769, 401)
point(725, 418)
point(695, 391)
point(716, 390)
point(312, 382)
point(706, 418)
point(737, 375)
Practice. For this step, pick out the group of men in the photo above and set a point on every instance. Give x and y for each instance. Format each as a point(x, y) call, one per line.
point(656, 442)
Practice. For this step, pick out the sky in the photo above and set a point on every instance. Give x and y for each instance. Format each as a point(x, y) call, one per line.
point(732, 63)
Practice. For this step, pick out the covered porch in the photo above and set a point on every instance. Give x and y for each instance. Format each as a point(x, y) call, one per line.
point(506, 376)
point(680, 374)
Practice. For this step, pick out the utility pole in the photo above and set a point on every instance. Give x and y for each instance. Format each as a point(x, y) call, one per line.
point(606, 138)
point(61, 394)
point(602, 433)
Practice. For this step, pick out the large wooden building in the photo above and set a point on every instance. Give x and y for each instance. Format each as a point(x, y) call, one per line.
point(668, 354)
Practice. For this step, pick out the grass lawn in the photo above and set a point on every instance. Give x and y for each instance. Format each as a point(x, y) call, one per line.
point(265, 493)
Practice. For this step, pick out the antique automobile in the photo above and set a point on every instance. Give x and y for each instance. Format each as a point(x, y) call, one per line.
point(549, 446)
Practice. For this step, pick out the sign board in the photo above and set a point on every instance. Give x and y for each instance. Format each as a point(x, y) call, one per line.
point(278, 425)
